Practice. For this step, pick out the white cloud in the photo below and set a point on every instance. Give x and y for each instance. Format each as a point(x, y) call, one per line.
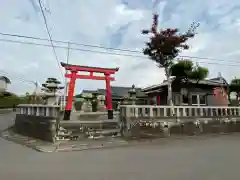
point(99, 22)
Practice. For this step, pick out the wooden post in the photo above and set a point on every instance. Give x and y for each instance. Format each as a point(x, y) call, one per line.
point(158, 100)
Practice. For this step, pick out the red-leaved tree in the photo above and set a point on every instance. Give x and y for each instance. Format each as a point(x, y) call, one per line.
point(165, 45)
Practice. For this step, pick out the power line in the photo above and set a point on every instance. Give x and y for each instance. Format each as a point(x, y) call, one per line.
point(50, 37)
point(234, 65)
point(22, 80)
point(72, 43)
point(101, 47)
point(17, 77)
point(64, 47)
point(119, 54)
point(205, 58)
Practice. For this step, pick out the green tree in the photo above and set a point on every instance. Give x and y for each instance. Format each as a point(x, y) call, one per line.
point(187, 73)
point(185, 70)
point(10, 100)
point(235, 87)
point(78, 96)
point(165, 45)
point(78, 105)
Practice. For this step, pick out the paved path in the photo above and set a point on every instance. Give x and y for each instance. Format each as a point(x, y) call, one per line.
point(215, 158)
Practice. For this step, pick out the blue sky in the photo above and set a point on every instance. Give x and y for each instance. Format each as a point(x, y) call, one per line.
point(117, 24)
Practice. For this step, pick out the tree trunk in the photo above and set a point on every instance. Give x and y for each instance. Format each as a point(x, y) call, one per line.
point(169, 97)
point(237, 98)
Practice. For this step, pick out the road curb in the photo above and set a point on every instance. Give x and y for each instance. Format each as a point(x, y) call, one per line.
point(52, 148)
point(42, 150)
point(90, 148)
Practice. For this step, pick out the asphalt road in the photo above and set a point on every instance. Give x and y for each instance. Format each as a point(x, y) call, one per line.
point(214, 158)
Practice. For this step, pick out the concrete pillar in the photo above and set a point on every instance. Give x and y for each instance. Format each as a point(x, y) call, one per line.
point(47, 111)
point(38, 111)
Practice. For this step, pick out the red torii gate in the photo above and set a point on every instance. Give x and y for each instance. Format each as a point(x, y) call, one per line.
point(74, 69)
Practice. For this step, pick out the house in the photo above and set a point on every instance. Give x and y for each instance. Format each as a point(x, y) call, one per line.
point(211, 92)
point(88, 93)
point(120, 93)
point(4, 81)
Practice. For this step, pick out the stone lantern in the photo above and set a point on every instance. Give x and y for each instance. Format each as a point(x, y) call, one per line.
point(133, 94)
point(101, 103)
point(125, 100)
point(87, 104)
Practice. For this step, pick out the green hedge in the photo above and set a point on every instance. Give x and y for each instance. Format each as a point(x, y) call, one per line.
point(78, 105)
point(10, 101)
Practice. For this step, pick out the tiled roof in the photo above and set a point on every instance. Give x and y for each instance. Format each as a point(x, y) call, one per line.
point(164, 83)
point(6, 79)
point(211, 82)
point(89, 91)
point(121, 91)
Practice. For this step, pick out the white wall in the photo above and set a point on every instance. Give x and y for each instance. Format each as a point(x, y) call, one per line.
point(3, 85)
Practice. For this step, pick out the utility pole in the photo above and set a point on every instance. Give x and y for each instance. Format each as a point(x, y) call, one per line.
point(222, 83)
point(35, 92)
point(66, 83)
point(221, 80)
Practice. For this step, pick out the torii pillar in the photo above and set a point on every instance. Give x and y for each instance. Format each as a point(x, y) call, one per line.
point(74, 69)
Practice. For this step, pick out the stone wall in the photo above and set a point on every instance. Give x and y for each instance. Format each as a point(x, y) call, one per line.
point(40, 127)
point(139, 130)
point(210, 127)
point(88, 129)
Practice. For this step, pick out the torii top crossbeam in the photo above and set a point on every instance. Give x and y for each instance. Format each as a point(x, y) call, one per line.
point(72, 67)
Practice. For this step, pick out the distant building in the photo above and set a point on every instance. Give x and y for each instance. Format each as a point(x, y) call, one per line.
point(211, 92)
point(4, 81)
point(118, 95)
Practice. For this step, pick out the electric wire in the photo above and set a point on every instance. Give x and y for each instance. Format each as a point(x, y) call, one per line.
point(50, 37)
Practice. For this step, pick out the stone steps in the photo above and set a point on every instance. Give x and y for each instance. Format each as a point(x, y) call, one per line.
point(85, 129)
point(92, 116)
point(106, 131)
point(88, 122)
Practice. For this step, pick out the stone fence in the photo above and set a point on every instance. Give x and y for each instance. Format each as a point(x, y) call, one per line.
point(165, 112)
point(38, 121)
point(39, 110)
point(137, 120)
point(133, 121)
